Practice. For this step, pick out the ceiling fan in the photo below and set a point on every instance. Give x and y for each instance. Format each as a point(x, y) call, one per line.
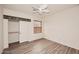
point(40, 9)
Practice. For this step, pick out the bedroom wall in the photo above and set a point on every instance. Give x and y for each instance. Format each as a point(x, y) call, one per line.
point(1, 39)
point(63, 27)
point(25, 15)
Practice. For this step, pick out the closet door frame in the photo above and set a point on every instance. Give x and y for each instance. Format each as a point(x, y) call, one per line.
point(5, 33)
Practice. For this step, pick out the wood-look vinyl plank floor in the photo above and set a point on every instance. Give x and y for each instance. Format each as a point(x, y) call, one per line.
point(40, 46)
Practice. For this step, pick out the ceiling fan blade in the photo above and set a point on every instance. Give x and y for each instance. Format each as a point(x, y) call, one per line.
point(35, 9)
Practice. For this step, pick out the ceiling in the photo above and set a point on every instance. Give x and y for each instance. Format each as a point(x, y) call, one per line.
point(27, 8)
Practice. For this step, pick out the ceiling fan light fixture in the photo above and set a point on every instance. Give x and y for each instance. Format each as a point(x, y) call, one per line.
point(41, 9)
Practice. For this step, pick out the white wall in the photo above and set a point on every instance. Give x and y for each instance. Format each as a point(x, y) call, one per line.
point(1, 40)
point(63, 27)
point(25, 15)
point(13, 27)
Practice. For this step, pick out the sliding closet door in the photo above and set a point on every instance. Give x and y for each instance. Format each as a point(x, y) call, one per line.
point(25, 31)
point(13, 31)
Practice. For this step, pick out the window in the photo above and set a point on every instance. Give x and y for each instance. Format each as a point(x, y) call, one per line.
point(37, 26)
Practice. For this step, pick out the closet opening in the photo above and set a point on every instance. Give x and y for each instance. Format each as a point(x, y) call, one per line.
point(13, 33)
point(16, 30)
